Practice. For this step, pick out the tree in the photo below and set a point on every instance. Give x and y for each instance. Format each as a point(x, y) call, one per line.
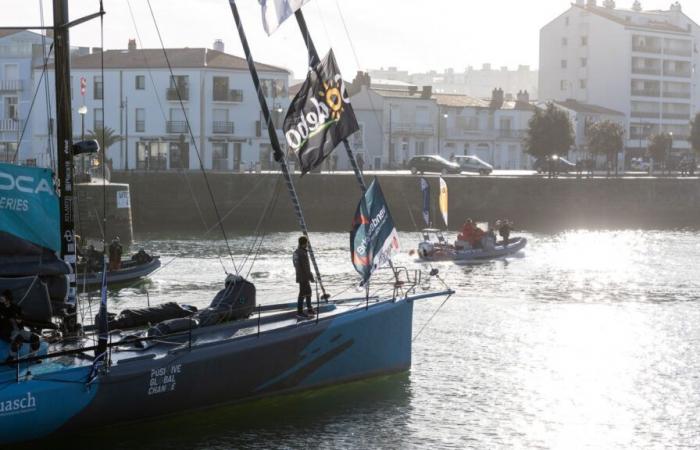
point(110, 137)
point(695, 133)
point(659, 146)
point(606, 138)
point(549, 133)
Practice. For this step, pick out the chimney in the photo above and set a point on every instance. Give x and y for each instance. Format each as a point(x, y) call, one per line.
point(361, 79)
point(427, 92)
point(219, 45)
point(132, 44)
point(637, 6)
point(497, 98)
point(523, 97)
point(412, 90)
point(609, 4)
point(676, 6)
point(591, 3)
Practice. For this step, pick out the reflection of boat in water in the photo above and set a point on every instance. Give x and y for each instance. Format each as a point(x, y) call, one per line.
point(130, 271)
point(134, 366)
point(435, 247)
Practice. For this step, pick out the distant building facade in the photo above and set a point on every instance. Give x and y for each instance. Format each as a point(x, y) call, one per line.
point(141, 102)
point(639, 63)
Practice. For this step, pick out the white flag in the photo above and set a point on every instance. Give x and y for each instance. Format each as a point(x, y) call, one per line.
point(274, 12)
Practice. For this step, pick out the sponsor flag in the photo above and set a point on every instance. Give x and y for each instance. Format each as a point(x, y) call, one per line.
point(425, 189)
point(274, 12)
point(443, 199)
point(29, 206)
point(373, 238)
point(320, 115)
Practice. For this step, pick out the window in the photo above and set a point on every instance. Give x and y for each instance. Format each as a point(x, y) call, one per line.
point(563, 64)
point(179, 88)
point(140, 120)
point(584, 62)
point(97, 88)
point(220, 89)
point(99, 119)
point(582, 84)
point(466, 148)
point(7, 151)
point(584, 41)
point(420, 147)
point(564, 42)
point(140, 82)
point(562, 85)
point(11, 108)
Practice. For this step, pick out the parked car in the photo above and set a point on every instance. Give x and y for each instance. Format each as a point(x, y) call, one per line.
point(432, 163)
point(470, 163)
point(640, 164)
point(560, 165)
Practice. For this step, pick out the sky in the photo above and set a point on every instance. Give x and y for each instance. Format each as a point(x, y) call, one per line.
point(412, 35)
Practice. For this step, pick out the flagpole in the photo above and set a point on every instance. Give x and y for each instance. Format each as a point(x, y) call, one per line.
point(314, 60)
point(274, 141)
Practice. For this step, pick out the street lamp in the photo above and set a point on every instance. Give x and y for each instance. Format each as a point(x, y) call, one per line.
point(440, 117)
point(668, 151)
point(82, 111)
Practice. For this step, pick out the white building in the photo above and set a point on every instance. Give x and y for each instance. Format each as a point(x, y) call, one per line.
point(640, 63)
point(142, 105)
point(20, 51)
point(399, 123)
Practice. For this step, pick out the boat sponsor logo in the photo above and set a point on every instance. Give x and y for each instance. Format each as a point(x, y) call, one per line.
point(24, 184)
point(163, 379)
point(20, 405)
point(373, 224)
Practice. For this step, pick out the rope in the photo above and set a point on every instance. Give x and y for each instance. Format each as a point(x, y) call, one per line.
point(194, 142)
point(431, 318)
point(263, 219)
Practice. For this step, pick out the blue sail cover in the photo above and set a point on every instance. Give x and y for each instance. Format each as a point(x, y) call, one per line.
point(28, 210)
point(373, 238)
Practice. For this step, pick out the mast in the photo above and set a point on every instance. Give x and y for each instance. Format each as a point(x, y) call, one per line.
point(274, 141)
point(314, 60)
point(64, 135)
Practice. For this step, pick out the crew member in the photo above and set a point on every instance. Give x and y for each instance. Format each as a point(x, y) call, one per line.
point(504, 230)
point(11, 327)
point(115, 254)
point(304, 278)
point(467, 231)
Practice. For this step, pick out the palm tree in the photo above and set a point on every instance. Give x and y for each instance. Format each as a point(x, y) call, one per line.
point(105, 137)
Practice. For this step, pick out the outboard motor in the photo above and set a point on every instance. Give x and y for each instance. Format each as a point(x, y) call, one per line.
point(236, 301)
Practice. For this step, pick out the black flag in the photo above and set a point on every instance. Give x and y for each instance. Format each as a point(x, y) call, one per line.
point(320, 115)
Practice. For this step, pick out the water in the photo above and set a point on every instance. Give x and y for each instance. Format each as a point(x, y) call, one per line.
point(587, 340)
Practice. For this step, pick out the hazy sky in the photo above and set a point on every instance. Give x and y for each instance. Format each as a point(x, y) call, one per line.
point(410, 34)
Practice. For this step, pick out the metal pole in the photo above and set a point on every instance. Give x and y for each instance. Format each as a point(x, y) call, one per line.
point(126, 141)
point(274, 141)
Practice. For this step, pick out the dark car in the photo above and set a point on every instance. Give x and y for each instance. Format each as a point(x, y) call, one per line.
point(560, 165)
point(432, 163)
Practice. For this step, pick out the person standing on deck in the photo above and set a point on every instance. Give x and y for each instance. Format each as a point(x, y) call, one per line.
point(115, 254)
point(304, 278)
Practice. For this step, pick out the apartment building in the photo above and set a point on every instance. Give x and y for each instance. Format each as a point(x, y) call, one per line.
point(20, 51)
point(208, 105)
point(640, 63)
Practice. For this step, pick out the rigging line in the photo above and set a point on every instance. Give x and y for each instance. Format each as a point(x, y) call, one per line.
point(268, 213)
point(357, 62)
point(47, 91)
point(234, 207)
point(431, 318)
point(31, 105)
point(194, 142)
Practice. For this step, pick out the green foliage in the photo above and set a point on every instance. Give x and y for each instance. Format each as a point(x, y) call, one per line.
point(659, 146)
point(110, 137)
point(549, 133)
point(606, 138)
point(695, 133)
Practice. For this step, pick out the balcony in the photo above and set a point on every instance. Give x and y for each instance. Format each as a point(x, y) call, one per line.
point(171, 94)
point(10, 85)
point(677, 95)
point(412, 129)
point(677, 73)
point(687, 52)
point(10, 125)
point(645, 114)
point(646, 70)
point(646, 48)
point(175, 126)
point(646, 92)
point(233, 95)
point(218, 127)
point(676, 116)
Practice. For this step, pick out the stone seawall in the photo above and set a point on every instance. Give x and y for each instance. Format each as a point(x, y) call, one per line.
point(179, 202)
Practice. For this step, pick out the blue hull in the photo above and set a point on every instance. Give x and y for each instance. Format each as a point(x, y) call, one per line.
point(351, 345)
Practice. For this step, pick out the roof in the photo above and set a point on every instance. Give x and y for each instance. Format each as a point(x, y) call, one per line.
point(651, 25)
point(152, 58)
point(585, 108)
point(8, 32)
point(465, 101)
point(399, 93)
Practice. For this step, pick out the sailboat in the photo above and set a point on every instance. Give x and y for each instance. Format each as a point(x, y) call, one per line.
point(435, 247)
point(70, 377)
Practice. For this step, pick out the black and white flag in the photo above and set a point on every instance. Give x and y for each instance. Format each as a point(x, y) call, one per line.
point(320, 115)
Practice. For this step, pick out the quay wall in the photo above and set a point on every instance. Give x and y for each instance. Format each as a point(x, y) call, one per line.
point(172, 202)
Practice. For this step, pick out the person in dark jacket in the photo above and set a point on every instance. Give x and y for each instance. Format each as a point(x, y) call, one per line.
point(304, 278)
point(11, 327)
point(115, 254)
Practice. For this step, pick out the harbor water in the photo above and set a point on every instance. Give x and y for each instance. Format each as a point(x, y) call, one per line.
point(587, 339)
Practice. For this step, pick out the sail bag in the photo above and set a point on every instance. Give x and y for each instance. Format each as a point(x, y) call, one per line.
point(373, 238)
